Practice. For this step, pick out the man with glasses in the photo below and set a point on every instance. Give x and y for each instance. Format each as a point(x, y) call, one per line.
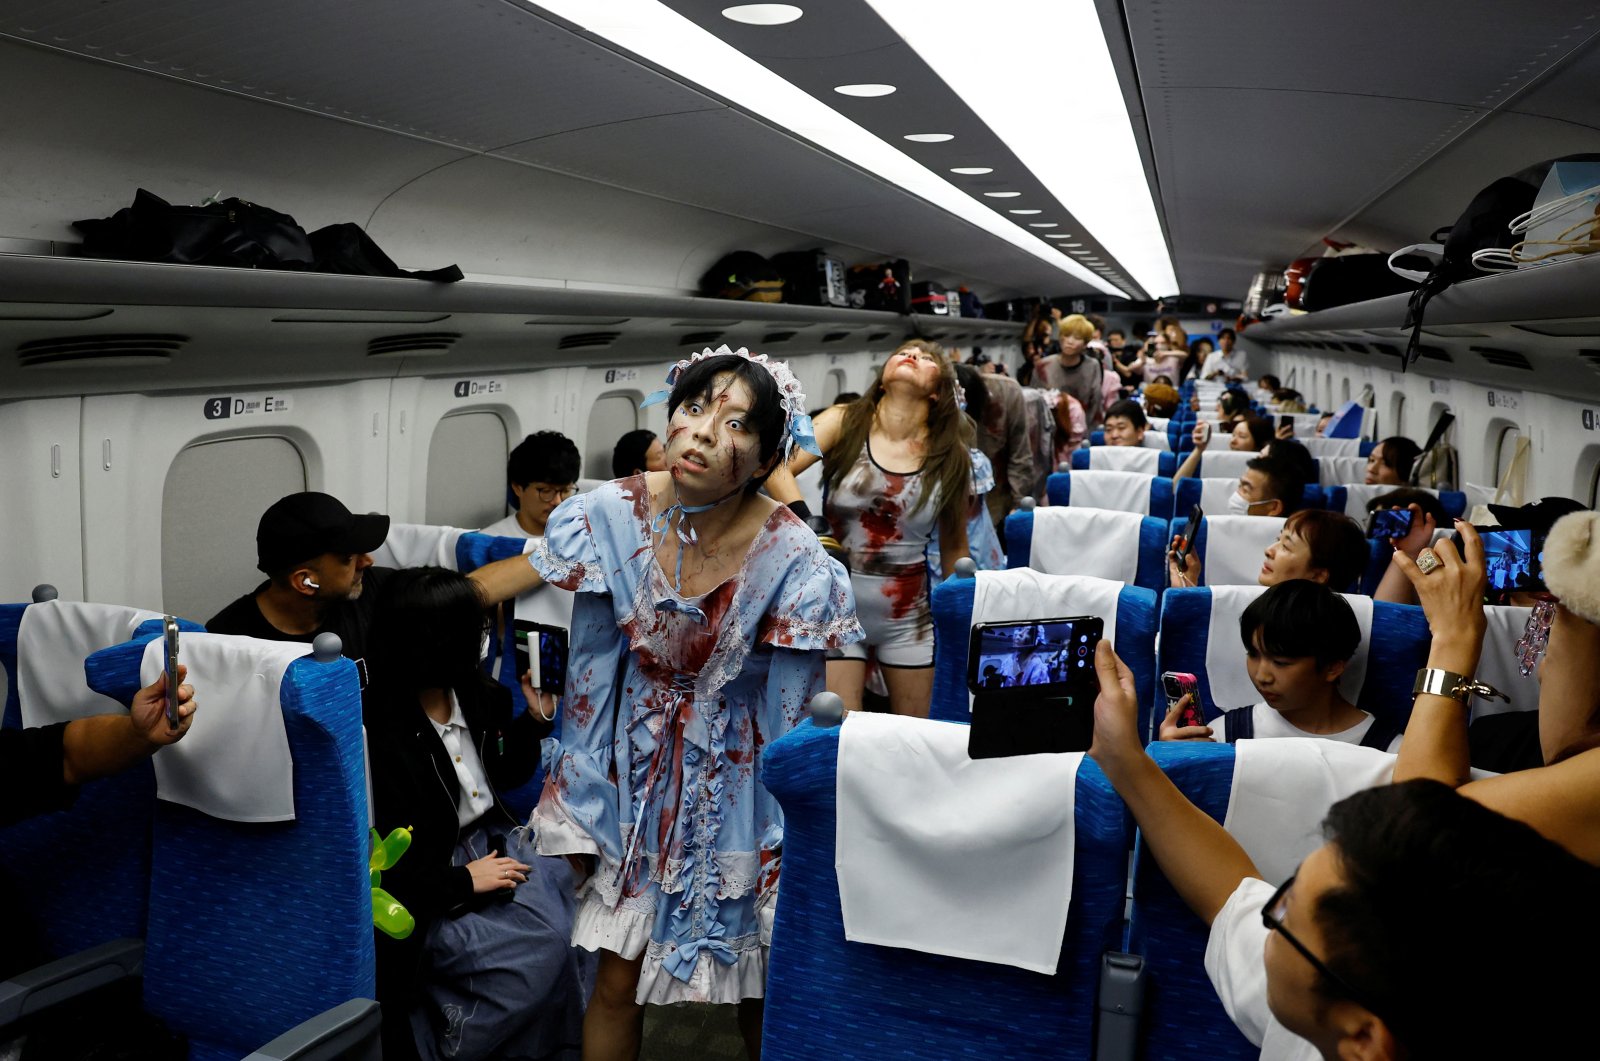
point(1415, 931)
point(541, 473)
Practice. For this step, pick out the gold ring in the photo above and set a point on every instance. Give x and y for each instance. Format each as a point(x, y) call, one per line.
point(1428, 561)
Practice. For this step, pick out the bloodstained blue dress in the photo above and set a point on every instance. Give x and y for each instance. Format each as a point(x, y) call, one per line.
point(669, 702)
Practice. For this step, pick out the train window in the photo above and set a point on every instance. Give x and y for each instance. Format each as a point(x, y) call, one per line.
point(1591, 458)
point(467, 470)
point(611, 417)
point(834, 387)
point(1344, 390)
point(1397, 413)
point(1506, 448)
point(208, 552)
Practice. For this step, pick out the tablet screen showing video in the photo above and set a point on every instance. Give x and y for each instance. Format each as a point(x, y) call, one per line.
point(1050, 657)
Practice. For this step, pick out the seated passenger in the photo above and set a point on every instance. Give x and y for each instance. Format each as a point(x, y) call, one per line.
point(1298, 638)
point(1270, 486)
point(41, 768)
point(314, 552)
point(1428, 515)
point(541, 473)
point(488, 971)
point(1249, 435)
point(1295, 456)
point(1322, 424)
point(1389, 463)
point(1266, 387)
point(1561, 798)
point(636, 452)
point(1363, 952)
point(1328, 548)
point(1125, 424)
point(1286, 400)
point(1161, 399)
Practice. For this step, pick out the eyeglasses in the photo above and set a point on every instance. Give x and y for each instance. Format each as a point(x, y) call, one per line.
point(1272, 917)
point(553, 493)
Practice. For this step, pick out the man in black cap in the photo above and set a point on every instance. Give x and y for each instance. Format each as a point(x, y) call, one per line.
point(314, 552)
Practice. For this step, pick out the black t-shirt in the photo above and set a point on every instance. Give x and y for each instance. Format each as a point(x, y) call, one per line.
point(349, 619)
point(31, 780)
point(1505, 742)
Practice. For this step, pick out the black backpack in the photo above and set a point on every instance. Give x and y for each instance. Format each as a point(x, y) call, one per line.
point(743, 276)
point(1240, 724)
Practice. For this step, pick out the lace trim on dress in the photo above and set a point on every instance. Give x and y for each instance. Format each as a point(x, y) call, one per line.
point(566, 573)
point(711, 981)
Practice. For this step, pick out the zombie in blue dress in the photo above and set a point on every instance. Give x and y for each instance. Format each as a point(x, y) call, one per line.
point(656, 769)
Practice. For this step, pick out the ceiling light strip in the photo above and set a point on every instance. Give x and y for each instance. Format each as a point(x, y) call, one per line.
point(1110, 197)
point(661, 35)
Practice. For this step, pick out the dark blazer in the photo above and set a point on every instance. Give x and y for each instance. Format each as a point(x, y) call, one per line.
point(414, 783)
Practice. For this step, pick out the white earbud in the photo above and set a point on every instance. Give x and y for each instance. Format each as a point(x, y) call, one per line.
point(313, 583)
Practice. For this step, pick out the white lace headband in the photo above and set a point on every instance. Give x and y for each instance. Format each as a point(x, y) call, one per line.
point(790, 396)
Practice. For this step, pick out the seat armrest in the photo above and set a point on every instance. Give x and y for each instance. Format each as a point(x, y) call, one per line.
point(349, 1030)
point(76, 974)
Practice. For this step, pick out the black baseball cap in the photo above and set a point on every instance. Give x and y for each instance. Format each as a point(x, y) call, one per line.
point(1538, 516)
point(301, 526)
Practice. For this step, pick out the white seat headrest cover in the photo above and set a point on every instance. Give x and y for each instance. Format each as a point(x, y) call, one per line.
point(1236, 546)
point(234, 762)
point(1225, 463)
point(1124, 459)
point(1117, 491)
point(53, 640)
point(418, 545)
point(1330, 447)
point(1337, 471)
point(1086, 541)
point(943, 854)
point(1022, 593)
point(1225, 660)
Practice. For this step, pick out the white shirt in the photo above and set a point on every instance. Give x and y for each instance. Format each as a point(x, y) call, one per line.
point(506, 528)
point(1270, 723)
point(1221, 364)
point(473, 782)
point(1236, 963)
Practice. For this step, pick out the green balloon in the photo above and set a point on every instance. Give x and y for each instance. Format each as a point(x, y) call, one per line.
point(389, 917)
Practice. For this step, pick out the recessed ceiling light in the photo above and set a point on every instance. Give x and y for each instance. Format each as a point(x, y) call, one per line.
point(1024, 211)
point(930, 138)
point(1080, 254)
point(663, 36)
point(972, 171)
point(1059, 235)
point(1041, 224)
point(864, 90)
point(1072, 245)
point(1002, 195)
point(762, 14)
point(1112, 198)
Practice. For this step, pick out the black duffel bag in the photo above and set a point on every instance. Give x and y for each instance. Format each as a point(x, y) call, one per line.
point(230, 232)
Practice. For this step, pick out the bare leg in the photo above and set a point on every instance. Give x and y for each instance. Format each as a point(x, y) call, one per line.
point(613, 1025)
point(750, 1013)
point(910, 689)
point(848, 677)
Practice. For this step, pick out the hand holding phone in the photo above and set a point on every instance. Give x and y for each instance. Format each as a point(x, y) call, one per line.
point(1391, 523)
point(1201, 434)
point(1182, 691)
point(169, 630)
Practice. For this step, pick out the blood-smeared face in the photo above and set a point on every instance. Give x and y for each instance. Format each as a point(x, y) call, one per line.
point(712, 448)
point(915, 367)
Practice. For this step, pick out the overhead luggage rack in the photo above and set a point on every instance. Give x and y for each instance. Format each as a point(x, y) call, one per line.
point(266, 326)
point(1495, 329)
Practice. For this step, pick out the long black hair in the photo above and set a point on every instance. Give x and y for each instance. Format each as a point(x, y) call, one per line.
point(427, 633)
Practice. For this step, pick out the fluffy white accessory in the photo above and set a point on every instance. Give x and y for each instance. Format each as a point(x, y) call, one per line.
point(1572, 563)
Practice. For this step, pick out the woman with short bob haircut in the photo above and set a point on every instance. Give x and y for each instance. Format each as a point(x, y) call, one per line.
point(896, 464)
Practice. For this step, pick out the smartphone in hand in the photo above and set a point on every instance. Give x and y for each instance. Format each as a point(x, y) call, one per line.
point(1391, 523)
point(169, 631)
point(1177, 685)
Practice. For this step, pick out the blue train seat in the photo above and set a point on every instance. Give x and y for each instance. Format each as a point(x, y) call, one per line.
point(1027, 594)
point(257, 926)
point(1149, 495)
point(827, 997)
point(1200, 634)
point(1124, 459)
point(1124, 546)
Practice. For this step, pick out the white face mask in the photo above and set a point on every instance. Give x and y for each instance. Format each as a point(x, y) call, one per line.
point(1238, 505)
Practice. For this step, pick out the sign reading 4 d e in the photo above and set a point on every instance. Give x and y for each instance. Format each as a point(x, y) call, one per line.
point(472, 388)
